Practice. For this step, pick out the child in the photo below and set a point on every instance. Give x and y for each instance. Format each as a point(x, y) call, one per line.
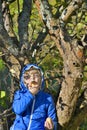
point(34, 109)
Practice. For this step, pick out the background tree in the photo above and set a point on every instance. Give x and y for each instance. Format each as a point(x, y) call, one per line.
point(48, 33)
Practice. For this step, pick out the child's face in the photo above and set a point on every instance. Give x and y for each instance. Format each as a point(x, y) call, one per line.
point(32, 79)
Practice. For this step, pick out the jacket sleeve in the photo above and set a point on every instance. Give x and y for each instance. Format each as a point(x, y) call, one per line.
point(52, 112)
point(21, 101)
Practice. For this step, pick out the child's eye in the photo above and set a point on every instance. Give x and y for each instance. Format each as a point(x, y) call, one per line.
point(27, 77)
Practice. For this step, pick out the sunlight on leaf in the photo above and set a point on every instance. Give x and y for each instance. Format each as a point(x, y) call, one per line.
point(2, 94)
point(2, 66)
point(52, 2)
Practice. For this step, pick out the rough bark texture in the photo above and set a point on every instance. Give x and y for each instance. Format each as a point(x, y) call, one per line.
point(70, 86)
point(23, 21)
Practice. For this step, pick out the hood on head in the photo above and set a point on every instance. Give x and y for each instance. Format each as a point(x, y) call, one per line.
point(27, 67)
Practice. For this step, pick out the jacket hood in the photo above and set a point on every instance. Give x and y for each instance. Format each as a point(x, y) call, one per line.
point(27, 67)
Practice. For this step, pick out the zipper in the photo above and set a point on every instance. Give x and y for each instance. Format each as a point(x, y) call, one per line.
point(12, 128)
point(31, 114)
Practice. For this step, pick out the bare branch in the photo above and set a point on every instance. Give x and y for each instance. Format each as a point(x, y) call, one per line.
point(50, 22)
point(5, 113)
point(1, 17)
point(7, 19)
point(70, 9)
point(5, 40)
point(23, 21)
point(40, 38)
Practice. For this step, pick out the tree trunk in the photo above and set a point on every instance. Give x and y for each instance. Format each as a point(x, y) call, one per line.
point(72, 82)
point(1, 125)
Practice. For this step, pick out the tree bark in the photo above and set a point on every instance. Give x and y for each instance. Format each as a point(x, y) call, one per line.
point(1, 125)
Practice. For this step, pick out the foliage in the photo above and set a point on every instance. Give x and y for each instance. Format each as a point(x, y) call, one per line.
point(3, 101)
point(14, 12)
point(83, 126)
point(2, 94)
point(2, 66)
point(5, 82)
point(77, 22)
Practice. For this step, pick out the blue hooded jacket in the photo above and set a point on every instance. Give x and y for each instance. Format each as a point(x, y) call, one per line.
point(32, 111)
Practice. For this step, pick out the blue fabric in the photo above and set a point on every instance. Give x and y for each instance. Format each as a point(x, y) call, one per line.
point(22, 106)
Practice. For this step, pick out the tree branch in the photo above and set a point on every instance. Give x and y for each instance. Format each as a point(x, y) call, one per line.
point(50, 22)
point(23, 21)
point(40, 38)
point(6, 19)
point(6, 113)
point(7, 43)
point(1, 17)
point(70, 9)
point(5, 40)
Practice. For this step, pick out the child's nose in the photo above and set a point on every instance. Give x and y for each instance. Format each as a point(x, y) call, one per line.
point(33, 77)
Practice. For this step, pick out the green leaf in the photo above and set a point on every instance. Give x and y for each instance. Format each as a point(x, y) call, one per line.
point(2, 94)
point(2, 66)
point(86, 19)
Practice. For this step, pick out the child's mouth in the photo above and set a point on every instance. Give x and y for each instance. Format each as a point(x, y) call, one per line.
point(34, 83)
